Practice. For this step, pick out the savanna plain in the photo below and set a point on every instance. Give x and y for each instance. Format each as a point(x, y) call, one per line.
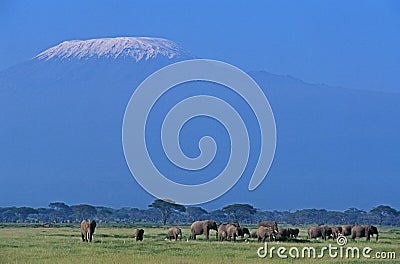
point(112, 244)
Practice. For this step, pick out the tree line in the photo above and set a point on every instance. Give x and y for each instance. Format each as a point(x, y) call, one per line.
point(166, 212)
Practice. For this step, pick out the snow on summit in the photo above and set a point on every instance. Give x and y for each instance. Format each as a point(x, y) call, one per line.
point(138, 48)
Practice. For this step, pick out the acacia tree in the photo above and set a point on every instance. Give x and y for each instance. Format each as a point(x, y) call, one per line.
point(166, 208)
point(354, 215)
point(24, 211)
point(83, 211)
point(196, 213)
point(61, 211)
point(239, 212)
point(383, 211)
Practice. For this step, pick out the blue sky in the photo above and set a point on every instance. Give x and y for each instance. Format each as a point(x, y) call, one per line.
point(352, 44)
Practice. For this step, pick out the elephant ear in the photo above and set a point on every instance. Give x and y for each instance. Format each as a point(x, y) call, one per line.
point(92, 226)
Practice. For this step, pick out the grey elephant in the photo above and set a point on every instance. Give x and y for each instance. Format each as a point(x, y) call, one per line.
point(263, 232)
point(294, 232)
point(174, 232)
point(87, 230)
point(202, 227)
point(243, 231)
point(270, 224)
point(273, 226)
point(223, 226)
point(346, 230)
point(336, 231)
point(319, 231)
point(284, 232)
point(138, 234)
point(364, 231)
point(222, 235)
point(232, 230)
point(253, 234)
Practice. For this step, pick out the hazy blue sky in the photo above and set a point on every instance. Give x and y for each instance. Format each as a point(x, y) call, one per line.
point(345, 43)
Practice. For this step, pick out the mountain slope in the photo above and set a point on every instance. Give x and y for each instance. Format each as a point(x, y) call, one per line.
point(61, 116)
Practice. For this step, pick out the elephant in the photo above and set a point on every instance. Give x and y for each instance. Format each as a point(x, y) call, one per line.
point(243, 231)
point(294, 232)
point(224, 226)
point(319, 231)
point(283, 232)
point(336, 231)
point(263, 232)
point(271, 224)
point(139, 234)
point(87, 230)
point(202, 227)
point(231, 230)
point(222, 235)
point(364, 231)
point(174, 232)
point(288, 232)
point(346, 230)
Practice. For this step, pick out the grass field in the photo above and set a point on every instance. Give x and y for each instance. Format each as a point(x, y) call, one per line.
point(117, 245)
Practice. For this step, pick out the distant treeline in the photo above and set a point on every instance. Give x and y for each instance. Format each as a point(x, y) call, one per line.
point(163, 212)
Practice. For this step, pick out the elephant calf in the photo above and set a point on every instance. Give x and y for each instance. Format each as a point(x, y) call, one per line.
point(294, 232)
point(139, 234)
point(174, 232)
point(87, 230)
point(222, 235)
point(243, 231)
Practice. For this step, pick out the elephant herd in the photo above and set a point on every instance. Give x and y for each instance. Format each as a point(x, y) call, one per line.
point(354, 231)
point(230, 231)
point(265, 230)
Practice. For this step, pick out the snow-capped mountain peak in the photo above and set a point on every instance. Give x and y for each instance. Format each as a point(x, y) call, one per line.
point(138, 48)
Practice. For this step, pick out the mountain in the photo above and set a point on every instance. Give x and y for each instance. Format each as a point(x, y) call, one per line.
point(136, 48)
point(61, 114)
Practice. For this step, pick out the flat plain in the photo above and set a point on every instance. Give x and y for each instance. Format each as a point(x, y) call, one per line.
point(117, 245)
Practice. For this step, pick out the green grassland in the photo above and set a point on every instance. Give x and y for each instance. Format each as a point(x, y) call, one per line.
point(117, 245)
